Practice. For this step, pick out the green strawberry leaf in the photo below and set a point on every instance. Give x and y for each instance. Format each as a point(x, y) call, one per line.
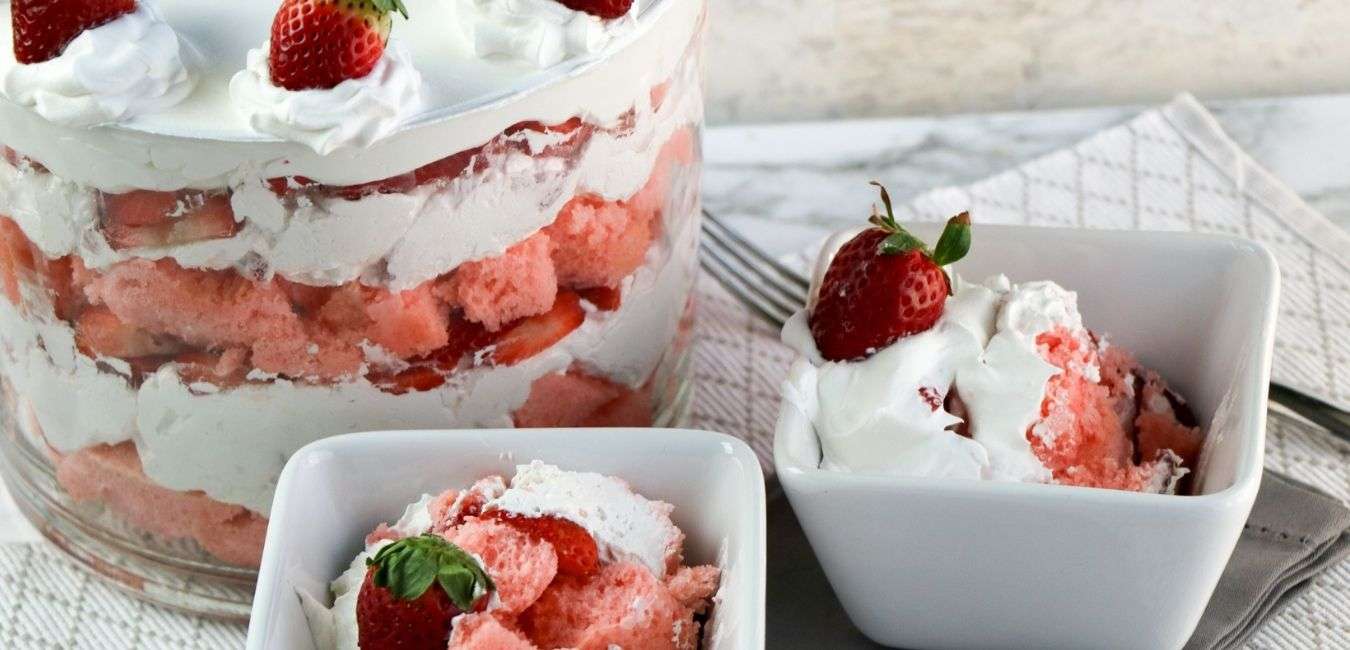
point(900, 242)
point(955, 240)
point(386, 6)
point(409, 566)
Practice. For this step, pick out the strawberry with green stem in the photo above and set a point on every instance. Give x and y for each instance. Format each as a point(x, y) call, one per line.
point(883, 284)
point(414, 587)
point(321, 43)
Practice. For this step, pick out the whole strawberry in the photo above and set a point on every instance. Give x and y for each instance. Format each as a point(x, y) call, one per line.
point(884, 284)
point(321, 43)
point(413, 589)
point(43, 28)
point(607, 9)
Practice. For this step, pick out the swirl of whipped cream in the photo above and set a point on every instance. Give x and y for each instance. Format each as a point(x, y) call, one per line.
point(132, 65)
point(355, 113)
point(539, 32)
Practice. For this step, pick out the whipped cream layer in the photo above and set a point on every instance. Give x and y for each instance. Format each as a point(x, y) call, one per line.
point(540, 33)
point(391, 240)
point(177, 426)
point(888, 413)
point(203, 142)
point(132, 66)
point(353, 114)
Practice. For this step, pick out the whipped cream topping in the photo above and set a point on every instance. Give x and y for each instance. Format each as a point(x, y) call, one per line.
point(131, 66)
point(888, 413)
point(353, 114)
point(541, 33)
point(626, 526)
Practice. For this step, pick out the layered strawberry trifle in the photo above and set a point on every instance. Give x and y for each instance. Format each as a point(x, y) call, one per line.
point(906, 368)
point(550, 559)
point(228, 229)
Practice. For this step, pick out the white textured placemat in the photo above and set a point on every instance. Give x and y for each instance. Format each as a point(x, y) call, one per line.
point(1170, 168)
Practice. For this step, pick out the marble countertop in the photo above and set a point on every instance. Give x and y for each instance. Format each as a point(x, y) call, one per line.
point(802, 178)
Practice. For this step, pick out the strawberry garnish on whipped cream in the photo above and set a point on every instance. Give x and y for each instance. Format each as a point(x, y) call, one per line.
point(321, 43)
point(43, 28)
point(606, 9)
point(883, 284)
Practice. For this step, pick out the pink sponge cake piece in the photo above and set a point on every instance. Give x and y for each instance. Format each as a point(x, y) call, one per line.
point(486, 632)
point(518, 283)
point(1092, 433)
point(598, 243)
point(579, 399)
point(221, 310)
point(623, 605)
point(113, 474)
point(520, 566)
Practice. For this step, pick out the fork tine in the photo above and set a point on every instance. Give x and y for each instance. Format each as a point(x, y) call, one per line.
point(764, 278)
point(740, 288)
point(787, 273)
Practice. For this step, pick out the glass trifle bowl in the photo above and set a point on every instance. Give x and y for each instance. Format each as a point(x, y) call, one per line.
point(191, 294)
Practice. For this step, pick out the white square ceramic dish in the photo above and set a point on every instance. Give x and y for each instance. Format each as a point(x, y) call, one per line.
point(334, 491)
point(929, 563)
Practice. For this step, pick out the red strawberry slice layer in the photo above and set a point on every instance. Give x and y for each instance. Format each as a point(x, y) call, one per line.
point(43, 28)
point(144, 218)
point(576, 549)
point(530, 336)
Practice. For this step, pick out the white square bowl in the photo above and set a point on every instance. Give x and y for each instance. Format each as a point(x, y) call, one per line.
point(334, 491)
point(946, 563)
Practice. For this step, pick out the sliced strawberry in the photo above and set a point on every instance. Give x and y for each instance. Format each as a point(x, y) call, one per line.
point(100, 333)
point(530, 336)
point(321, 43)
point(447, 168)
point(414, 379)
point(539, 127)
point(17, 258)
point(43, 28)
point(884, 284)
point(413, 588)
point(144, 218)
point(59, 277)
point(286, 185)
point(393, 185)
point(466, 338)
point(604, 298)
point(607, 9)
point(577, 553)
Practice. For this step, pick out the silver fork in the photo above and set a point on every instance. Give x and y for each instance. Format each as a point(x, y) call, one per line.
point(774, 291)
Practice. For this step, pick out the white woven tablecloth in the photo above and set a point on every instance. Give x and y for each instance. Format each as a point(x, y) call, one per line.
point(1169, 169)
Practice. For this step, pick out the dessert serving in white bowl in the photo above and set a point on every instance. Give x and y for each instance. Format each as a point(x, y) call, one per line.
point(978, 538)
point(650, 494)
point(230, 229)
